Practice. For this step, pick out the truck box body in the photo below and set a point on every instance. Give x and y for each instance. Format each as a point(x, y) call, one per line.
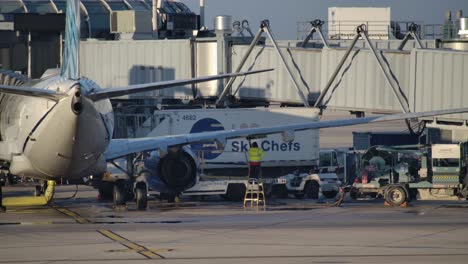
point(365, 140)
point(342, 21)
point(303, 151)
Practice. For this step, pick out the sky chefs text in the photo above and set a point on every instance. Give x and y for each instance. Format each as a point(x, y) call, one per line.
point(266, 145)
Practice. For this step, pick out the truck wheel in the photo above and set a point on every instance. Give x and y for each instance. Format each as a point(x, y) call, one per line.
point(311, 190)
point(141, 196)
point(354, 194)
point(235, 192)
point(395, 195)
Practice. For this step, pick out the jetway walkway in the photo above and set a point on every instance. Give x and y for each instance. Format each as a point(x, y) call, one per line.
point(362, 79)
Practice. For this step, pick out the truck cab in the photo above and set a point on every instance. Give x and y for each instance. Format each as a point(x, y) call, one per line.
point(340, 161)
point(309, 185)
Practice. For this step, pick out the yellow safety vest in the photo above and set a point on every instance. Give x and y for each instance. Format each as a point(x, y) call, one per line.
point(255, 154)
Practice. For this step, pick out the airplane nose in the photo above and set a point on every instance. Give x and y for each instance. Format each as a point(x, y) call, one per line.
point(76, 102)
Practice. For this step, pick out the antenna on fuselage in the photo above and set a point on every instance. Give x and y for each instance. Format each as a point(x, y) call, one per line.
point(71, 65)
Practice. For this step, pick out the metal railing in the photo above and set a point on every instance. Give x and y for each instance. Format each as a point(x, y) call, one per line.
point(340, 30)
point(439, 31)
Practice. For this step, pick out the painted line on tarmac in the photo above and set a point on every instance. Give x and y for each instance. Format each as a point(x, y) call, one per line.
point(147, 253)
point(27, 223)
point(77, 217)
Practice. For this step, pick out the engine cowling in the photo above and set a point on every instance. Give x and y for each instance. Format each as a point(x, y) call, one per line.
point(178, 169)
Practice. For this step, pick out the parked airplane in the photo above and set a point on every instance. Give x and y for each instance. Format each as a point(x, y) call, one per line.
point(61, 127)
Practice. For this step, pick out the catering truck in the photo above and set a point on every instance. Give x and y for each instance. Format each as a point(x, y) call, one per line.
point(218, 168)
point(402, 173)
point(280, 157)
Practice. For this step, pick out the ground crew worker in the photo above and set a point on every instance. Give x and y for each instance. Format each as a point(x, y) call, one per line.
point(255, 160)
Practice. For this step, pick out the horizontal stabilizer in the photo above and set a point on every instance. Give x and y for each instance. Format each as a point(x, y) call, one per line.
point(31, 91)
point(138, 88)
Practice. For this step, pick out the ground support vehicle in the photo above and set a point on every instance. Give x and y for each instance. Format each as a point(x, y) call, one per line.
point(143, 172)
point(436, 172)
point(309, 185)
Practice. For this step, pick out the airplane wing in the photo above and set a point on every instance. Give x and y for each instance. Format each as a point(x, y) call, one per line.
point(138, 88)
point(31, 91)
point(122, 147)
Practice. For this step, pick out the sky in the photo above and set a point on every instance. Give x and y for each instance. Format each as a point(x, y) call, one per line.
point(284, 15)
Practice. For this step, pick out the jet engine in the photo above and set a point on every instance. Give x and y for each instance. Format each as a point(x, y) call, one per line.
point(178, 169)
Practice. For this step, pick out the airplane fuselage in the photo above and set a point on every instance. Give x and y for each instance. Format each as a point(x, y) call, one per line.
point(48, 139)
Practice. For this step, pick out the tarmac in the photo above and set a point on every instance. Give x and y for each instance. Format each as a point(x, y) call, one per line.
point(80, 229)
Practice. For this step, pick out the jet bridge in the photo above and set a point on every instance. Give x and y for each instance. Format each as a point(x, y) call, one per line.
point(359, 79)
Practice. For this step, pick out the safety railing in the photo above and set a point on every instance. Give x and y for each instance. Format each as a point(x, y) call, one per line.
point(342, 30)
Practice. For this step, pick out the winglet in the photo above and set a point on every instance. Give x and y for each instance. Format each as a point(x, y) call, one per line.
point(71, 67)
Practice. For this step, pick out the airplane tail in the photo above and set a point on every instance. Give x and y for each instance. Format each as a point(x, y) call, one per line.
point(71, 67)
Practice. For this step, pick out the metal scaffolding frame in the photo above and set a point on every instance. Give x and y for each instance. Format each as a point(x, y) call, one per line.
point(264, 28)
point(361, 32)
point(412, 32)
point(316, 27)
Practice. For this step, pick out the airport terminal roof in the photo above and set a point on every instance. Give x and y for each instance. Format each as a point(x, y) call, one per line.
point(89, 6)
point(95, 13)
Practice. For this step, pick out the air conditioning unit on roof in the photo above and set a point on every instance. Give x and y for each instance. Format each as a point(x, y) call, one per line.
point(130, 21)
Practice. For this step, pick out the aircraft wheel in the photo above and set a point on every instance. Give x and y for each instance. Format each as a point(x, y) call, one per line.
point(235, 192)
point(105, 190)
point(141, 196)
point(119, 193)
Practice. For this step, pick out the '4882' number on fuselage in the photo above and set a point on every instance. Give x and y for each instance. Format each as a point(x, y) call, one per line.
point(189, 117)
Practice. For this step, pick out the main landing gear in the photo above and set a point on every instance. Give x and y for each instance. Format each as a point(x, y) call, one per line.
point(124, 191)
point(120, 191)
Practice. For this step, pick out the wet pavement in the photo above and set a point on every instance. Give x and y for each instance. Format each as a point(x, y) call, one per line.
point(81, 229)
